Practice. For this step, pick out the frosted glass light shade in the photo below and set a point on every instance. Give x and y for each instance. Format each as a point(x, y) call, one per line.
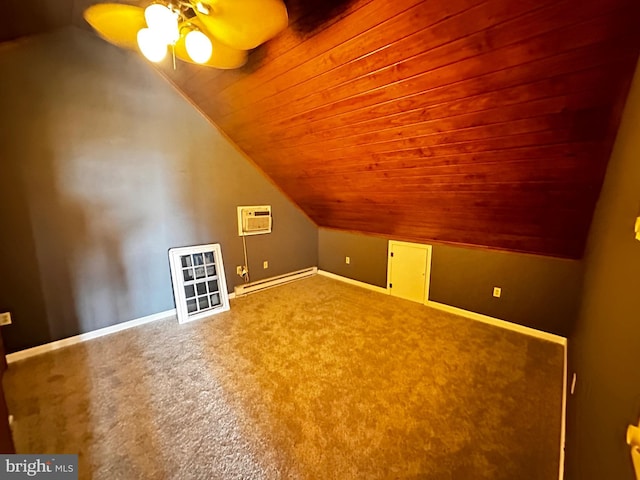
point(117, 24)
point(163, 21)
point(152, 45)
point(198, 46)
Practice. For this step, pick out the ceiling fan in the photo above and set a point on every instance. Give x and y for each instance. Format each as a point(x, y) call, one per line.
point(213, 33)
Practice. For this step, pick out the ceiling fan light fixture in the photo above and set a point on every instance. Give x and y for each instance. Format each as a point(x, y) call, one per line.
point(199, 46)
point(152, 45)
point(163, 21)
point(221, 32)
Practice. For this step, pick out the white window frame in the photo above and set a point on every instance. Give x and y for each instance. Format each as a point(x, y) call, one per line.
point(178, 282)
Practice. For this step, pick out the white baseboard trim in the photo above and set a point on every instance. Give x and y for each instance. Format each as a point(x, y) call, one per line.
point(532, 332)
point(351, 281)
point(83, 337)
point(459, 311)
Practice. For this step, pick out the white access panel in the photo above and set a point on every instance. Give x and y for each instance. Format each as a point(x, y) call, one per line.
point(408, 270)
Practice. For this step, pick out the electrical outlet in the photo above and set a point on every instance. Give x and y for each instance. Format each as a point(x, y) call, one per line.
point(5, 318)
point(497, 291)
point(347, 260)
point(239, 271)
point(265, 264)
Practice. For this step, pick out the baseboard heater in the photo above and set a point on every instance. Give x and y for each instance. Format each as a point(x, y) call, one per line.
point(259, 285)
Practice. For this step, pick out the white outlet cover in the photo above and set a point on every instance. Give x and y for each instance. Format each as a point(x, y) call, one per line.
point(5, 318)
point(497, 291)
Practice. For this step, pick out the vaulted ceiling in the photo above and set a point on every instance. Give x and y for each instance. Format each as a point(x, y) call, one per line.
point(479, 122)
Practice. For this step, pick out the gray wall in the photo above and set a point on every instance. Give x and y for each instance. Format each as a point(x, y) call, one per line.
point(367, 254)
point(104, 167)
point(539, 292)
point(604, 350)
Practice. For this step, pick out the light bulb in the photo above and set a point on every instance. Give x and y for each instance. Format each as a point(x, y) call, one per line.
point(163, 21)
point(202, 8)
point(152, 45)
point(198, 46)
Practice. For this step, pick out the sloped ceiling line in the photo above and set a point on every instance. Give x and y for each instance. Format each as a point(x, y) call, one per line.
point(460, 121)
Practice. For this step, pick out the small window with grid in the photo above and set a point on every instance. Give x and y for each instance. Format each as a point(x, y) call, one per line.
point(199, 285)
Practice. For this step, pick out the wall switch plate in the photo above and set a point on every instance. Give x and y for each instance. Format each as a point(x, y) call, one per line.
point(5, 318)
point(265, 264)
point(497, 291)
point(347, 260)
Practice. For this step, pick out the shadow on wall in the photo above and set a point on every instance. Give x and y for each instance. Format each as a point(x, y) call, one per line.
point(114, 169)
point(81, 230)
point(73, 222)
point(30, 151)
point(78, 247)
point(20, 287)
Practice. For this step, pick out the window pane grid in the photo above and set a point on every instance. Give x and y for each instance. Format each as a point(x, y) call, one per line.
point(197, 278)
point(200, 282)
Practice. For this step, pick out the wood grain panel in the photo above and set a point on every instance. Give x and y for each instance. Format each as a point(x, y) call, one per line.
point(412, 163)
point(417, 90)
point(489, 25)
point(348, 56)
point(521, 171)
point(414, 124)
point(417, 108)
point(565, 124)
point(437, 71)
point(478, 122)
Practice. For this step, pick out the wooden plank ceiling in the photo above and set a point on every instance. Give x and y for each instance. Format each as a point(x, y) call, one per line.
point(478, 122)
point(474, 122)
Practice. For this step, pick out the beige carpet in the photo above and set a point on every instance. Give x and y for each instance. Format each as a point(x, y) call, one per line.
point(312, 380)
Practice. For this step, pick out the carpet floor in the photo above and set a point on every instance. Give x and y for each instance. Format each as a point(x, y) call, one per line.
point(315, 379)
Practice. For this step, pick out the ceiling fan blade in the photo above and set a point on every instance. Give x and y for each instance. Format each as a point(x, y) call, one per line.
point(222, 56)
point(116, 23)
point(244, 24)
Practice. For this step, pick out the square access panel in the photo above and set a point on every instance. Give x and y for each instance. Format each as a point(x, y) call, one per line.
point(199, 285)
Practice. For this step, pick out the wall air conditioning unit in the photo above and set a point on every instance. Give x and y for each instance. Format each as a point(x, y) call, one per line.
point(254, 220)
